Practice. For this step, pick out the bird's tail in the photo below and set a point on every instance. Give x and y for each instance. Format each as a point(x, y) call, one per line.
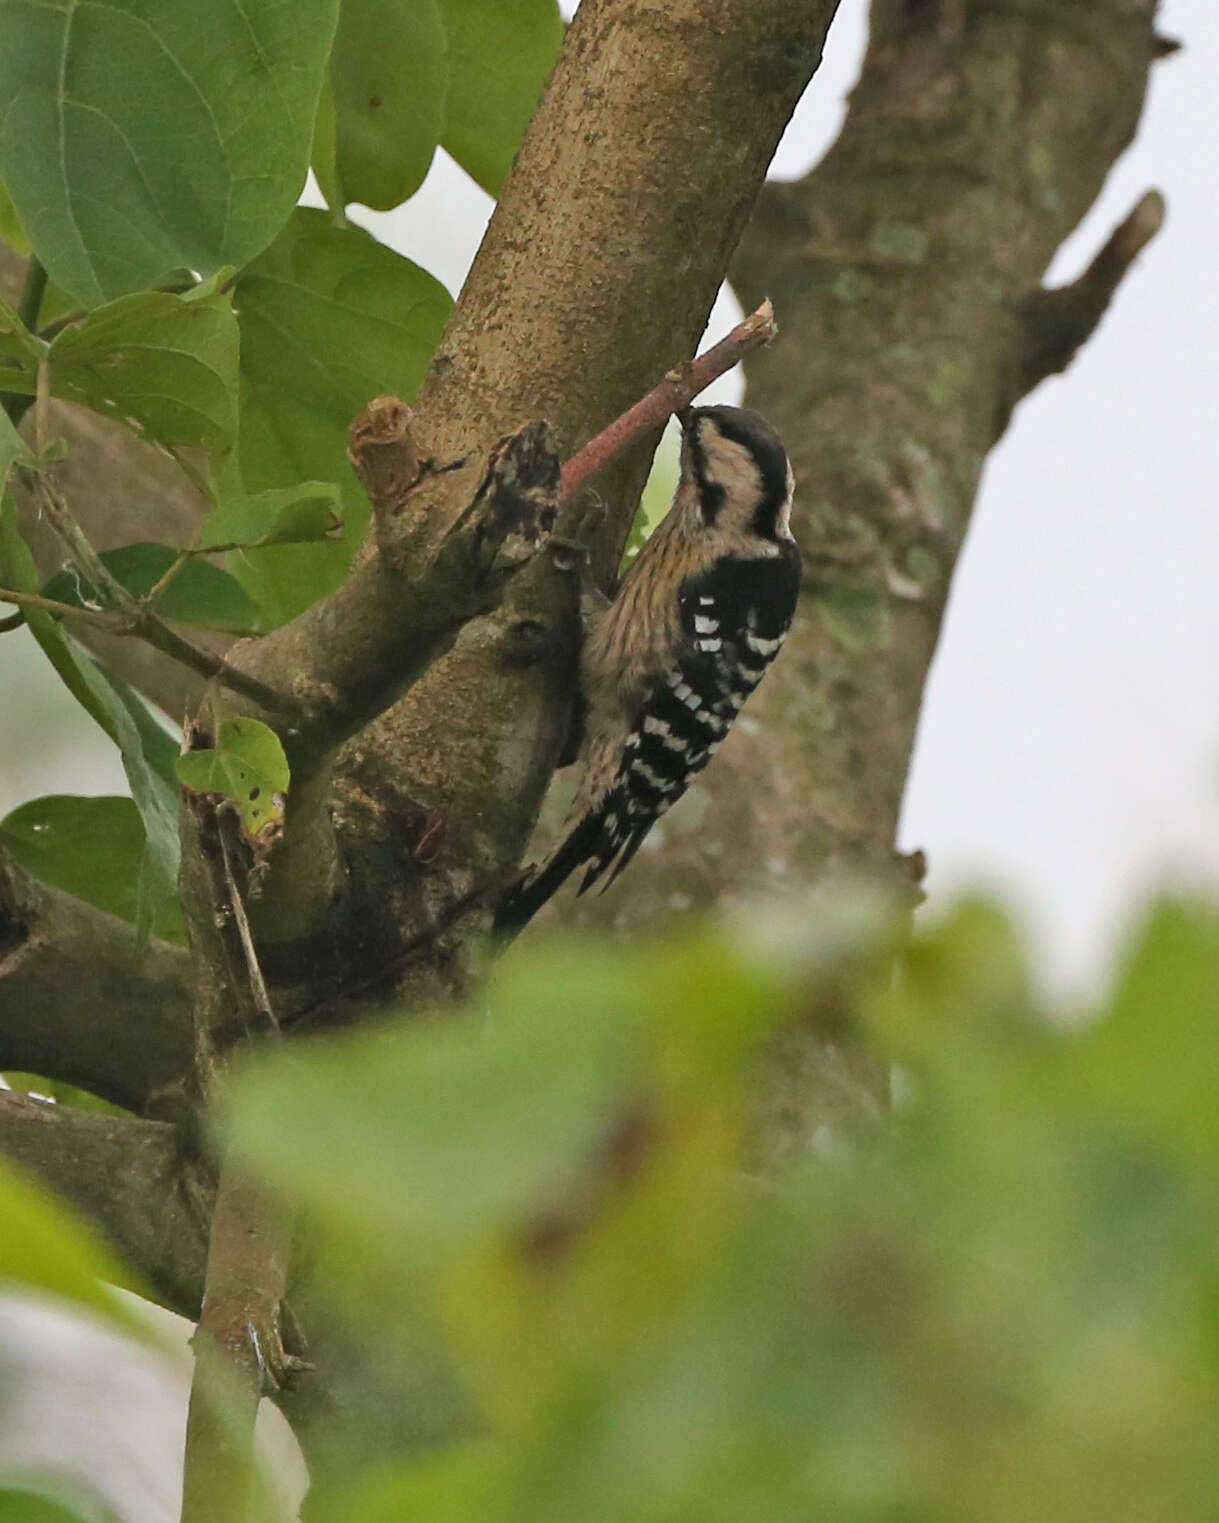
point(532, 889)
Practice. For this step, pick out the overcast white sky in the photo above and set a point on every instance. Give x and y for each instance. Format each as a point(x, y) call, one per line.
point(1069, 751)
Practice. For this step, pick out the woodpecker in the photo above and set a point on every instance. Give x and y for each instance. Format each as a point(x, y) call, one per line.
point(701, 613)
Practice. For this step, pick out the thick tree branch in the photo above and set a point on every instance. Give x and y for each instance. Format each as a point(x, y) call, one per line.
point(80, 1003)
point(977, 138)
point(129, 1179)
point(596, 277)
point(414, 585)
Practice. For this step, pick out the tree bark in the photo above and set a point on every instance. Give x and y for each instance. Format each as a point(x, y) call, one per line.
point(905, 270)
point(80, 1003)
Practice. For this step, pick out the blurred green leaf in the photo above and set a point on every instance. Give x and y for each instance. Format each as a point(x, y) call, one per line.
point(452, 1487)
point(199, 593)
point(389, 76)
point(21, 1506)
point(280, 516)
point(1152, 1060)
point(44, 1248)
point(191, 154)
point(999, 1302)
point(91, 847)
point(474, 1122)
point(330, 318)
point(500, 54)
point(248, 767)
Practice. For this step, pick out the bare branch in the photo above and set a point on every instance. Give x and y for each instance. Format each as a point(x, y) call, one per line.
point(677, 390)
point(239, 1351)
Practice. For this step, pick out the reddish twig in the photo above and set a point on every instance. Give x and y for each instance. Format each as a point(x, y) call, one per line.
point(677, 390)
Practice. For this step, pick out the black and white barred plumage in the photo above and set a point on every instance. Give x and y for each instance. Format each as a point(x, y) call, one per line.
point(700, 615)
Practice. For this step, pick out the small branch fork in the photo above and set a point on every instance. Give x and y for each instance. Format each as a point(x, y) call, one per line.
point(677, 390)
point(1055, 324)
point(128, 614)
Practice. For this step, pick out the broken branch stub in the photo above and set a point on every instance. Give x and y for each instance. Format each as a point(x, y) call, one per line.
point(382, 451)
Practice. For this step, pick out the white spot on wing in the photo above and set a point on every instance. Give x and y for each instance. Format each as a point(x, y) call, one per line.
point(763, 647)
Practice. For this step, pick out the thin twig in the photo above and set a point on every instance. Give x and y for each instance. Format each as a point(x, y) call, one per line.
point(135, 615)
point(116, 623)
point(677, 390)
point(153, 595)
point(236, 903)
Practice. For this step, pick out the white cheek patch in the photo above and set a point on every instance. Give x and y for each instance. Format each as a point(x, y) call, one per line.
point(730, 465)
point(705, 626)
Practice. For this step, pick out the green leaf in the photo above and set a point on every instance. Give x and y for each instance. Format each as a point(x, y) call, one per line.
point(389, 77)
point(145, 748)
point(330, 318)
point(12, 452)
point(458, 1128)
point(91, 847)
point(279, 516)
point(139, 139)
point(11, 231)
point(168, 363)
point(44, 1248)
point(1162, 1030)
point(18, 571)
point(199, 593)
point(500, 55)
point(21, 1506)
point(248, 767)
point(323, 157)
point(20, 351)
